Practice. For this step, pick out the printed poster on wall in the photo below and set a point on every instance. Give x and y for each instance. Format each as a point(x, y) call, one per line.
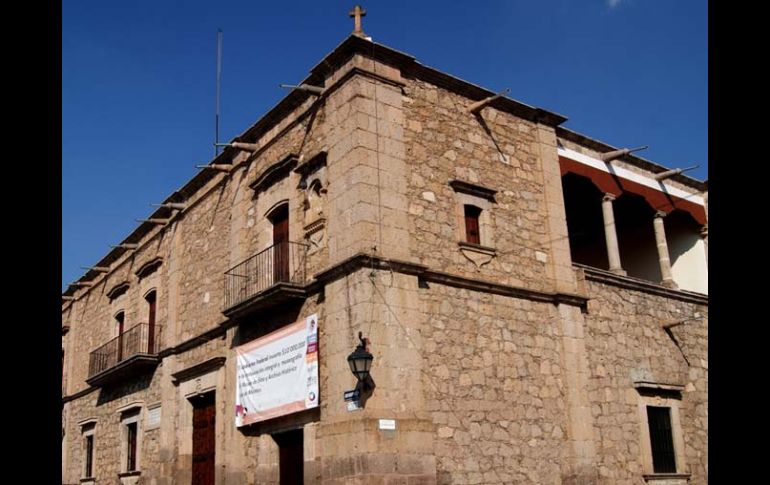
point(277, 374)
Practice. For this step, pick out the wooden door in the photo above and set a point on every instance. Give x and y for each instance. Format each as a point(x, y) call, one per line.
point(204, 421)
point(120, 317)
point(151, 323)
point(280, 221)
point(291, 457)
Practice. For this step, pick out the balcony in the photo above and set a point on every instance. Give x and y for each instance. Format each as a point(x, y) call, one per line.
point(129, 354)
point(271, 277)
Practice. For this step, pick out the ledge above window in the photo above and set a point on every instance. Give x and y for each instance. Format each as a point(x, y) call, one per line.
point(659, 389)
point(118, 290)
point(312, 164)
point(658, 386)
point(473, 189)
point(274, 173)
point(149, 267)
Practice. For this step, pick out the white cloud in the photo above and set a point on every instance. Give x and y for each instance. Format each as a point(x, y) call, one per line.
point(613, 3)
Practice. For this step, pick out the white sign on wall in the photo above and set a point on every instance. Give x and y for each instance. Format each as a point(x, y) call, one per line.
point(153, 417)
point(277, 374)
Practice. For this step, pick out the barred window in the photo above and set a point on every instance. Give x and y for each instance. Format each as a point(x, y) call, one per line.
point(88, 430)
point(89, 472)
point(131, 447)
point(661, 439)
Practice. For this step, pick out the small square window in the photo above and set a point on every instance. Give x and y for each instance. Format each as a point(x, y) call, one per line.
point(474, 222)
point(472, 233)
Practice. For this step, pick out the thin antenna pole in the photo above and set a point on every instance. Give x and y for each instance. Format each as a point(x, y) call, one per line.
point(219, 82)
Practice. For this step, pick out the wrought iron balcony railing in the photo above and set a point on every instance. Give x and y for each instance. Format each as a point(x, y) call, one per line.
point(280, 263)
point(141, 340)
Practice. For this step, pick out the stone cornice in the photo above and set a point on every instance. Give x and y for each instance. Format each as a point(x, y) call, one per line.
point(410, 67)
point(457, 281)
point(363, 260)
point(631, 283)
point(83, 392)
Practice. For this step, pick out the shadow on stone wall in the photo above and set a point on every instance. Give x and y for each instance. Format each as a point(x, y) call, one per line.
point(250, 328)
point(115, 391)
point(282, 423)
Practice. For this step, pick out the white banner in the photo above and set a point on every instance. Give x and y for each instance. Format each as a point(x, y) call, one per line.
point(277, 374)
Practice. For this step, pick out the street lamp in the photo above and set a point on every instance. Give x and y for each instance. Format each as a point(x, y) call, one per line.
point(360, 361)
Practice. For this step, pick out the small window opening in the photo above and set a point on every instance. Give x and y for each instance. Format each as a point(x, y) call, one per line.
point(661, 439)
point(472, 234)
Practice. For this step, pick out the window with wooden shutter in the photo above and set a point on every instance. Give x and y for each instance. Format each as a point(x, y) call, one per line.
point(151, 299)
point(472, 234)
point(120, 318)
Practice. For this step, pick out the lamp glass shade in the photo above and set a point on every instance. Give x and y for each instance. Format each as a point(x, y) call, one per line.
point(360, 362)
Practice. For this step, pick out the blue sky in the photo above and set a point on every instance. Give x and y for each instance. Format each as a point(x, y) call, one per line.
point(138, 82)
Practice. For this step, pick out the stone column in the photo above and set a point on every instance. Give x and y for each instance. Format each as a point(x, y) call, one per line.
point(663, 258)
point(610, 235)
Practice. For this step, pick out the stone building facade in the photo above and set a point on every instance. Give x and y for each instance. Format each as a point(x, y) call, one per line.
point(529, 304)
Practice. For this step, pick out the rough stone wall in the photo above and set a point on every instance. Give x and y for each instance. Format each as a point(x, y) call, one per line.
point(203, 260)
point(494, 387)
point(91, 318)
point(497, 151)
point(476, 382)
point(625, 343)
point(384, 306)
point(305, 140)
point(104, 406)
point(196, 251)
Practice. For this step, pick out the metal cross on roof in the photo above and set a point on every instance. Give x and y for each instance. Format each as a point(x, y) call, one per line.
point(357, 13)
